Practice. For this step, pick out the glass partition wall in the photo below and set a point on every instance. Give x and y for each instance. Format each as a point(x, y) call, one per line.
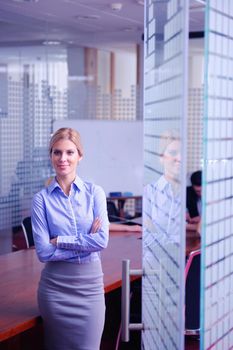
point(33, 81)
point(165, 115)
point(41, 83)
point(209, 145)
point(217, 222)
point(33, 84)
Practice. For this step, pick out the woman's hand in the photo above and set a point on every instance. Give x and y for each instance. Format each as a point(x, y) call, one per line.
point(96, 225)
point(53, 241)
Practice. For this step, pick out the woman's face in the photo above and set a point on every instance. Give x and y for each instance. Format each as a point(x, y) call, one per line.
point(171, 161)
point(65, 158)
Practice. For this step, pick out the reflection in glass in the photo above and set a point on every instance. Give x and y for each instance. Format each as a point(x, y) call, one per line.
point(165, 114)
point(161, 239)
point(162, 197)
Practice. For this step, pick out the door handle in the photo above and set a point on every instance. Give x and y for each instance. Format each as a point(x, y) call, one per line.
point(125, 301)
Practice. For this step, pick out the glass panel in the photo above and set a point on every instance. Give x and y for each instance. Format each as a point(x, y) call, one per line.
point(195, 107)
point(46, 80)
point(217, 223)
point(166, 55)
point(34, 80)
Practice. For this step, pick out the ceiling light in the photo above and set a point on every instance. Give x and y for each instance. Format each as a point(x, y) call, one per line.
point(140, 2)
point(51, 42)
point(25, 1)
point(87, 17)
point(129, 29)
point(116, 6)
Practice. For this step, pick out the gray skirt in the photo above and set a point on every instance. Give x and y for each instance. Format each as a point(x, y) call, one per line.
point(71, 303)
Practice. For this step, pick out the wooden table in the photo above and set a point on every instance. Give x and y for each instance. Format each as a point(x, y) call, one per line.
point(20, 273)
point(193, 241)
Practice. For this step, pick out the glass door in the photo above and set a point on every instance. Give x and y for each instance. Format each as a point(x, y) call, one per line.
point(217, 217)
point(165, 115)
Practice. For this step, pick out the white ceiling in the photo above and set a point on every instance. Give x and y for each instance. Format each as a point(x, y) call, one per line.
point(34, 21)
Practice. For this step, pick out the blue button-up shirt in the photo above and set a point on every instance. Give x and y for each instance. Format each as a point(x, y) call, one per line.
point(162, 212)
point(54, 214)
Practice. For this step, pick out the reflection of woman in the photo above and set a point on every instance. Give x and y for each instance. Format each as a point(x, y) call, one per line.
point(70, 228)
point(161, 236)
point(162, 198)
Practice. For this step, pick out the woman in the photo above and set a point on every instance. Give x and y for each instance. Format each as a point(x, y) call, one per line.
point(70, 228)
point(162, 202)
point(161, 234)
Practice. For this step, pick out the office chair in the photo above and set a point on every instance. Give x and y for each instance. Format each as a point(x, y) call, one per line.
point(27, 230)
point(113, 213)
point(192, 293)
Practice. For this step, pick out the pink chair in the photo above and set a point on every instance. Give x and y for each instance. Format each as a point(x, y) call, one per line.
point(192, 293)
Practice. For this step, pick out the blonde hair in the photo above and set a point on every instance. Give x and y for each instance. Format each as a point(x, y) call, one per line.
point(166, 138)
point(67, 134)
point(48, 181)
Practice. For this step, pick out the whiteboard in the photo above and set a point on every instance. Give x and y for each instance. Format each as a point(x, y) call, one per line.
point(113, 153)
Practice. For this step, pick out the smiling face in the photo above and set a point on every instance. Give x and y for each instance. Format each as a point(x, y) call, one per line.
point(65, 158)
point(171, 161)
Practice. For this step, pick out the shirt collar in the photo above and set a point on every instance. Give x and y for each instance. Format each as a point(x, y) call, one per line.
point(77, 184)
point(163, 183)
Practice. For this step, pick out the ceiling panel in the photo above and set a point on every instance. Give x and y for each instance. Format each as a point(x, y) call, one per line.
point(73, 22)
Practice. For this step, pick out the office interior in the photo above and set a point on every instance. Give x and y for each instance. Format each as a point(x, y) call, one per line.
point(65, 61)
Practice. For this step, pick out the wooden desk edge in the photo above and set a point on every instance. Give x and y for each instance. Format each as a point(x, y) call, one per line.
point(7, 334)
point(4, 335)
point(118, 284)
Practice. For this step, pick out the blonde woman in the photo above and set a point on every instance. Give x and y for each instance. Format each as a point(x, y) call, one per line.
point(162, 202)
point(70, 228)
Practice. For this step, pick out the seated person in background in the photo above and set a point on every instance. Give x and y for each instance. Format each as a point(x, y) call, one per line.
point(193, 198)
point(199, 228)
point(193, 238)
